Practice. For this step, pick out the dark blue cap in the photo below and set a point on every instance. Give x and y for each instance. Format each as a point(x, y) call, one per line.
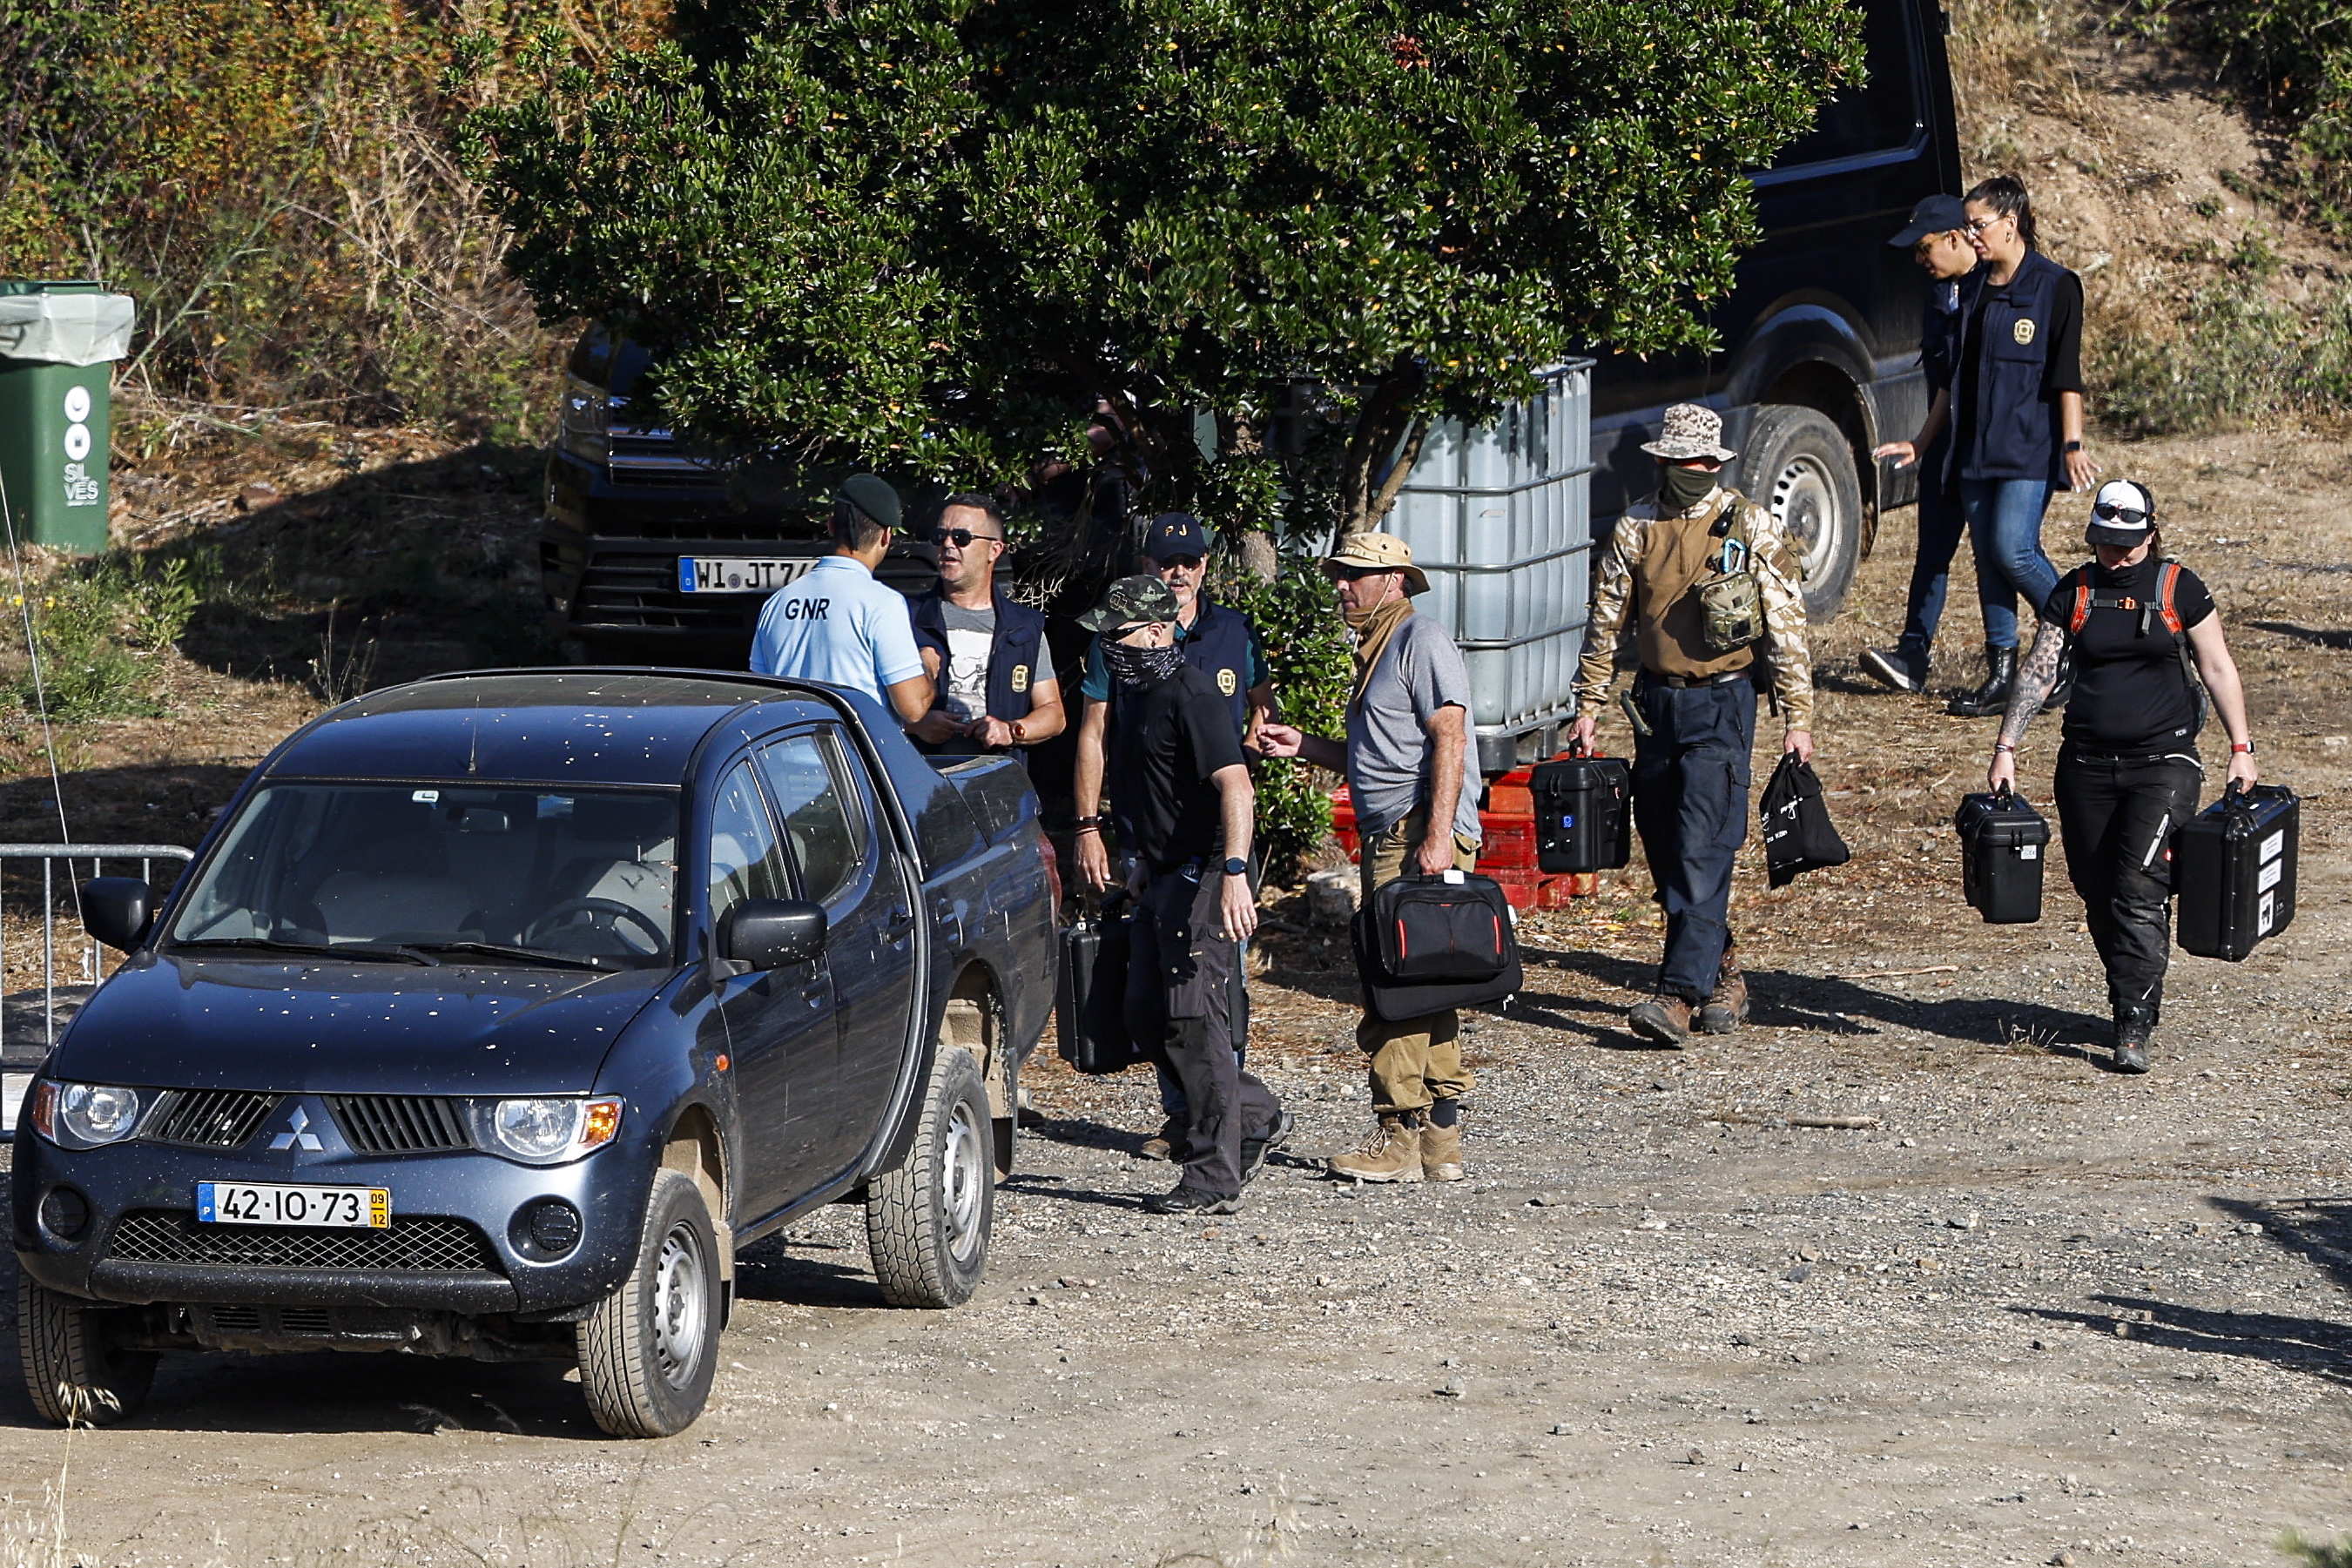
point(1933, 215)
point(1174, 534)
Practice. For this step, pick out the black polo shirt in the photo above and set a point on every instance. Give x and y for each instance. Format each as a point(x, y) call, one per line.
point(1168, 741)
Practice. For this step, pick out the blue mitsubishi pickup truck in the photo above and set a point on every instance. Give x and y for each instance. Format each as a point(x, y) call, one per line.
point(499, 1011)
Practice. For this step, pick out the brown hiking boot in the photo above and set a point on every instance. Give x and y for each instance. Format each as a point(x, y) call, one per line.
point(1392, 1153)
point(1666, 1020)
point(1163, 1144)
point(1727, 1008)
point(1441, 1152)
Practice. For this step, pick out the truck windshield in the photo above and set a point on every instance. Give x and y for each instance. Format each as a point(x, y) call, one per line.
point(464, 873)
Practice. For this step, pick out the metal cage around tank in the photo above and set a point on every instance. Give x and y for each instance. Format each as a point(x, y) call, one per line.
point(1501, 516)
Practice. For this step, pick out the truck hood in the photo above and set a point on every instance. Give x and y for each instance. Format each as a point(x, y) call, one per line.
point(212, 1023)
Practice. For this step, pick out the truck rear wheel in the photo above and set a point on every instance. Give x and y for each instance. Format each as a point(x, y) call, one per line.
point(75, 1377)
point(1800, 465)
point(928, 1222)
point(648, 1352)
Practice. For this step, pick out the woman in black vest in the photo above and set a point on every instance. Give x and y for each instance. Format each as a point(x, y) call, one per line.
point(2017, 420)
point(2129, 774)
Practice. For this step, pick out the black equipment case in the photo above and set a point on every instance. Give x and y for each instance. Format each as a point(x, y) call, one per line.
point(2002, 844)
point(1454, 927)
point(1584, 818)
point(2233, 871)
point(1090, 1000)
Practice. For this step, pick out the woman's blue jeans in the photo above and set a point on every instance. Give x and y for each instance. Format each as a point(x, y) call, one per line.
point(2004, 518)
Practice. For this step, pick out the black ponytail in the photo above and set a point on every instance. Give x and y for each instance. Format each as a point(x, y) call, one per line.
point(2005, 194)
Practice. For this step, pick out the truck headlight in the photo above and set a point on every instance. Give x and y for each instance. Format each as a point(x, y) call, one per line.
point(548, 1130)
point(84, 1115)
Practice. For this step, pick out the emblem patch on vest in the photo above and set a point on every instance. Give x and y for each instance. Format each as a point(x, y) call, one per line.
point(2023, 331)
point(1227, 681)
point(1020, 677)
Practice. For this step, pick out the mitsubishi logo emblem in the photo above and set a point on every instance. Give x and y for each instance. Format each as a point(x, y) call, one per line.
point(297, 1135)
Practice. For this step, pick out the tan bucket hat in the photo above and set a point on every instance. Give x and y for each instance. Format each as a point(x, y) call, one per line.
point(1380, 552)
point(1691, 431)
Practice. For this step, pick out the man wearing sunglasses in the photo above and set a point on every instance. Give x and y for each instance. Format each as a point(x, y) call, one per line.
point(1938, 238)
point(997, 690)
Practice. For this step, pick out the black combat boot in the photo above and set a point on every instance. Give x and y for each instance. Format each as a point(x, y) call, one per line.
point(1993, 697)
point(2134, 1027)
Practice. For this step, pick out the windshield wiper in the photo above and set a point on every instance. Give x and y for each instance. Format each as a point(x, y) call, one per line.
point(522, 955)
point(363, 951)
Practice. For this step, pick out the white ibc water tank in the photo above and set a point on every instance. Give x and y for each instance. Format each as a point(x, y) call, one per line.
point(1500, 518)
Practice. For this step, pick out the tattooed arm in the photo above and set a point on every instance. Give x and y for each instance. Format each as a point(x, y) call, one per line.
point(2027, 693)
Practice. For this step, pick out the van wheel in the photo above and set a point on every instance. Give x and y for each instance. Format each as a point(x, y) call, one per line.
point(928, 1222)
point(1800, 465)
point(75, 1377)
point(647, 1353)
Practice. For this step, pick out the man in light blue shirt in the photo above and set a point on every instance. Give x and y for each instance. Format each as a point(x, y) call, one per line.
point(838, 624)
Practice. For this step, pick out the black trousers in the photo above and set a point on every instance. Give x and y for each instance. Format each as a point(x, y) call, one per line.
point(1183, 988)
point(2116, 816)
point(1691, 776)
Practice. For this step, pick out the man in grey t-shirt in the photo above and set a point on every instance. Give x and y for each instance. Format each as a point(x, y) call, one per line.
point(1414, 784)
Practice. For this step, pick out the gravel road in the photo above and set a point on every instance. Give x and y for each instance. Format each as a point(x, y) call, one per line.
point(1899, 1274)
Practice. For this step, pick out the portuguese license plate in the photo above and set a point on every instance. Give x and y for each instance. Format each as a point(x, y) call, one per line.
point(729, 574)
point(325, 1208)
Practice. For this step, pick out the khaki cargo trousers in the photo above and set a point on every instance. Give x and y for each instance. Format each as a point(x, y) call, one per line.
point(1414, 1061)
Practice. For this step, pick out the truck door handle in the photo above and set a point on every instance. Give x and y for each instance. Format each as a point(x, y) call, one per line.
point(901, 922)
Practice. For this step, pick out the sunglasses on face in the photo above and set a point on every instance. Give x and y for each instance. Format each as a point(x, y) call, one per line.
point(962, 537)
point(2108, 512)
point(1357, 573)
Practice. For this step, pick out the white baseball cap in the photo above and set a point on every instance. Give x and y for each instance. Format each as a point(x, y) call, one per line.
point(2123, 514)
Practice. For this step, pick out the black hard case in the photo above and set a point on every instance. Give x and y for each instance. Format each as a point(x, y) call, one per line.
point(2233, 869)
point(1585, 816)
point(2002, 845)
point(1090, 1000)
point(1451, 929)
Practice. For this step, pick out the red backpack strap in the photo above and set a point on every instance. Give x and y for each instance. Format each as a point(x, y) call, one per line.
point(2081, 604)
point(2169, 578)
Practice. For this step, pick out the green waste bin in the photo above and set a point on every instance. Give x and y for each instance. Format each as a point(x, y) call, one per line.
point(58, 345)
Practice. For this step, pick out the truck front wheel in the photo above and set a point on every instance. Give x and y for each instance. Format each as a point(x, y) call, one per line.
point(647, 1353)
point(75, 1377)
point(1800, 465)
point(928, 1222)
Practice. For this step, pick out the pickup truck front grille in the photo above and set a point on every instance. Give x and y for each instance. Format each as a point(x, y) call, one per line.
point(399, 1124)
point(416, 1245)
point(208, 1118)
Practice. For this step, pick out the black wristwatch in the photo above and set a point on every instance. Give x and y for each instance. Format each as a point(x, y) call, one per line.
point(1237, 866)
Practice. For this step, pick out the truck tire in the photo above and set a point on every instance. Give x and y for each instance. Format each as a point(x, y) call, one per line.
point(648, 1352)
point(75, 1377)
point(928, 1222)
point(1800, 465)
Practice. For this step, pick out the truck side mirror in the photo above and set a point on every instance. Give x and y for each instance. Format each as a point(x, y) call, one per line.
point(773, 933)
point(114, 910)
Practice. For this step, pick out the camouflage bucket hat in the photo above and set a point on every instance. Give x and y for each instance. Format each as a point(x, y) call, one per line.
point(1690, 432)
point(1136, 600)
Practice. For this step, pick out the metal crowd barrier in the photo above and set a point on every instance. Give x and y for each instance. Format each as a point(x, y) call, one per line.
point(29, 1024)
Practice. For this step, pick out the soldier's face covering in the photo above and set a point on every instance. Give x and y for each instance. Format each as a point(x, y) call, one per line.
point(1681, 487)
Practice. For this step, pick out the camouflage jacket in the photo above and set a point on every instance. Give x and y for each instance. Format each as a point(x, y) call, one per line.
point(1664, 614)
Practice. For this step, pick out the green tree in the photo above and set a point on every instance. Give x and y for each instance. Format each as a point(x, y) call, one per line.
point(936, 235)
